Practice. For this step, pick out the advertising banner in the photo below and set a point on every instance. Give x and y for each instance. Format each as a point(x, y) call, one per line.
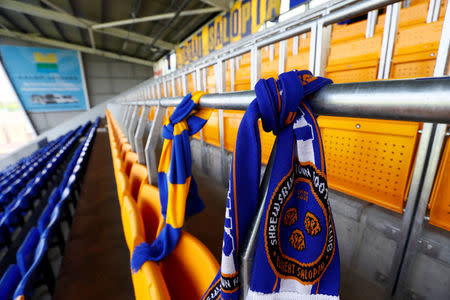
point(46, 79)
point(244, 18)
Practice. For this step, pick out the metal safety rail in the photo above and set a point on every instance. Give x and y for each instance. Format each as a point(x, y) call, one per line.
point(411, 100)
point(423, 100)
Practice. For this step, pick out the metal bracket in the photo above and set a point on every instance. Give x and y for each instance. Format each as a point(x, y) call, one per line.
point(442, 58)
point(153, 139)
point(138, 137)
point(132, 127)
point(417, 203)
point(255, 65)
point(389, 36)
point(322, 48)
point(125, 113)
point(184, 85)
point(174, 90)
point(295, 45)
point(433, 11)
point(232, 73)
point(282, 57)
point(371, 22)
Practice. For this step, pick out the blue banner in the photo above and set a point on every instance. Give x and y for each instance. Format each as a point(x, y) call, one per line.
point(46, 79)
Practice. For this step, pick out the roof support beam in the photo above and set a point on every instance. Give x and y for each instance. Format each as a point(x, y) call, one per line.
point(222, 4)
point(57, 16)
point(84, 49)
point(157, 17)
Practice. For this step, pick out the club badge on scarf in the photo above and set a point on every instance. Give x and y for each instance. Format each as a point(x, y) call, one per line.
point(297, 254)
point(177, 188)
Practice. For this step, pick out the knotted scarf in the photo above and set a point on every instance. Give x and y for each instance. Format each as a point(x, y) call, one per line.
point(177, 188)
point(296, 254)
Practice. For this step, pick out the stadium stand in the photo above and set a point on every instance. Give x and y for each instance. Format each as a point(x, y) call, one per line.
point(42, 198)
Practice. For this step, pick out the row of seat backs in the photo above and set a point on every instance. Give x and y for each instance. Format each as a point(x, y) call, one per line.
point(17, 208)
point(189, 270)
point(33, 249)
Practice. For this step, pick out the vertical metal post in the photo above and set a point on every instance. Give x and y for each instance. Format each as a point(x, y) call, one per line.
point(271, 52)
point(433, 11)
point(165, 89)
point(247, 253)
point(127, 120)
point(125, 109)
point(312, 48)
point(322, 48)
point(154, 138)
point(255, 65)
point(158, 91)
point(422, 156)
point(282, 56)
point(184, 85)
point(371, 22)
point(389, 36)
point(138, 137)
point(442, 58)
point(174, 90)
point(423, 198)
point(232, 73)
point(132, 126)
point(198, 80)
point(204, 83)
point(220, 87)
point(295, 45)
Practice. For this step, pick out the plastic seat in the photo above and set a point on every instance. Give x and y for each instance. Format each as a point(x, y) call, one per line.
point(122, 185)
point(125, 148)
point(132, 223)
point(189, 269)
point(138, 176)
point(130, 159)
point(149, 207)
point(9, 282)
point(24, 289)
point(148, 281)
point(25, 254)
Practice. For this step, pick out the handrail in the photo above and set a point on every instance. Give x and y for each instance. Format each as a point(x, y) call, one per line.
point(425, 100)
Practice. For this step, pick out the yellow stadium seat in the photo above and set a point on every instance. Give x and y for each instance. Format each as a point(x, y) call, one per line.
point(122, 185)
point(300, 61)
point(353, 57)
point(370, 159)
point(130, 159)
point(242, 76)
point(124, 149)
point(132, 223)
point(417, 42)
point(440, 198)
point(211, 129)
point(189, 269)
point(149, 207)
point(138, 176)
point(210, 80)
point(269, 68)
point(148, 281)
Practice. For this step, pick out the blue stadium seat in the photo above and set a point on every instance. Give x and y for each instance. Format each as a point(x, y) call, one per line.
point(9, 282)
point(25, 254)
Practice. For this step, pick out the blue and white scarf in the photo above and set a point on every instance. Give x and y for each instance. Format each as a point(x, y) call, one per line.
point(297, 254)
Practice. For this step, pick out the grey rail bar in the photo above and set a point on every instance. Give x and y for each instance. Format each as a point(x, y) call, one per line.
point(424, 100)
